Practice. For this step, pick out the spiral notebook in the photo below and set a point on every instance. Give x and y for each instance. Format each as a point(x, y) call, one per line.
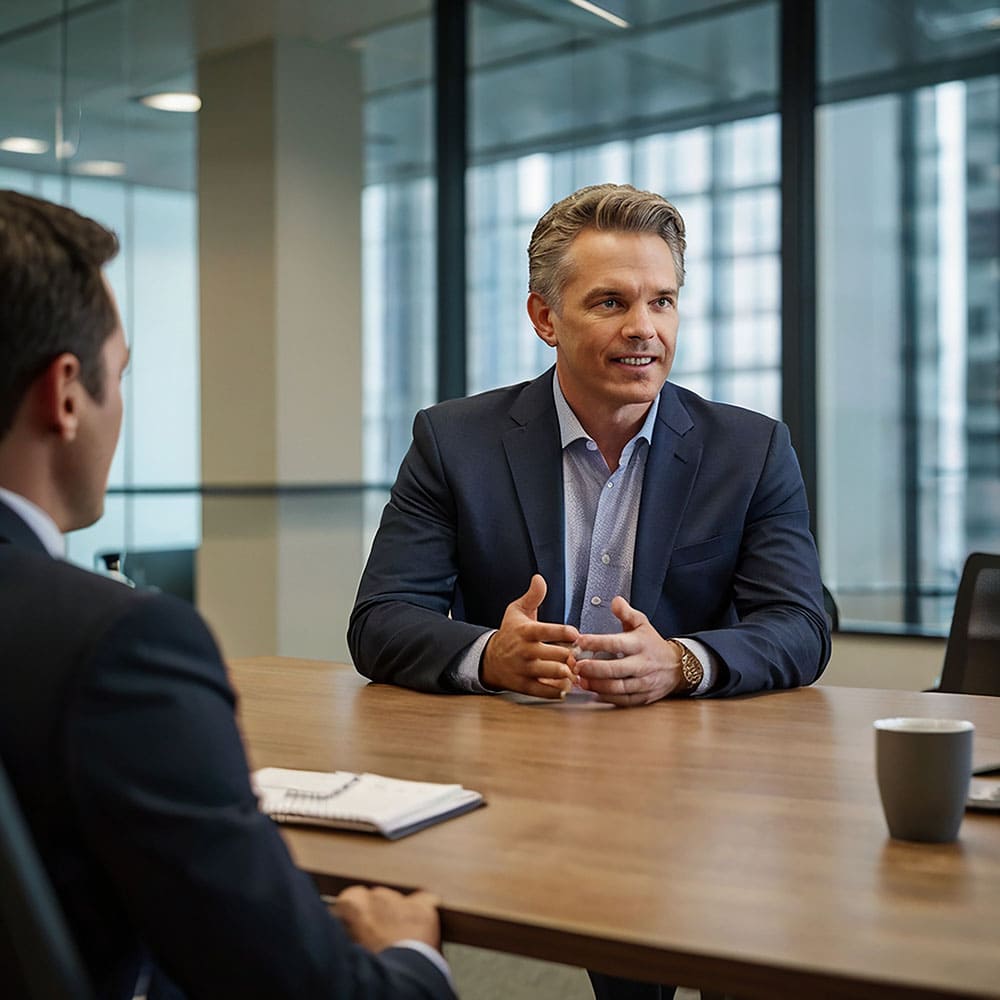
point(371, 803)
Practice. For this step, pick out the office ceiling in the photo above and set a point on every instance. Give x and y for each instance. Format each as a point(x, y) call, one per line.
point(546, 72)
point(97, 60)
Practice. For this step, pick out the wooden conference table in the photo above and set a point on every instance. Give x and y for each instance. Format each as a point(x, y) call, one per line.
point(736, 845)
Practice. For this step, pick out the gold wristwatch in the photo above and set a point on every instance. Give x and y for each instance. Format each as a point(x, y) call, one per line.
point(691, 669)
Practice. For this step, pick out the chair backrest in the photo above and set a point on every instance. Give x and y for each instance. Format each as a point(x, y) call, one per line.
point(831, 609)
point(31, 921)
point(169, 570)
point(972, 657)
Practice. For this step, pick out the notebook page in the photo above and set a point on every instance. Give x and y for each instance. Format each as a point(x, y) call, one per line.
point(387, 801)
point(342, 795)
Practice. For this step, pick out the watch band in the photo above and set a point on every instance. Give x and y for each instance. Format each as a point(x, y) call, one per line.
point(692, 672)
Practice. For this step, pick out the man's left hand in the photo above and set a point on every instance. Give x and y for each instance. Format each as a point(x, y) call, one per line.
point(641, 666)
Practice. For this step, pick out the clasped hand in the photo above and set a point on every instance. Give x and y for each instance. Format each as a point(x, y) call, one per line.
point(377, 918)
point(527, 655)
point(637, 665)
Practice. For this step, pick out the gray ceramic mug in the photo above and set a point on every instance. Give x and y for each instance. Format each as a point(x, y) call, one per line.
point(923, 767)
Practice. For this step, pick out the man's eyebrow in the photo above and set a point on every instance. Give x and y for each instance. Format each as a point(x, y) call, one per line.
point(611, 292)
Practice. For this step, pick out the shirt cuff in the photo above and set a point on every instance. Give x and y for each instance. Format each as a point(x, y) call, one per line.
point(466, 674)
point(709, 664)
point(431, 954)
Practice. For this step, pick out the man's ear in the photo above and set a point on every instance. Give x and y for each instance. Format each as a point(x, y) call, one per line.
point(540, 313)
point(57, 394)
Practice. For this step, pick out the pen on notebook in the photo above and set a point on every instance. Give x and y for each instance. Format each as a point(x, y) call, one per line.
point(313, 794)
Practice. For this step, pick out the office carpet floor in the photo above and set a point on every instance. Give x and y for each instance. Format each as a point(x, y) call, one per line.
point(491, 975)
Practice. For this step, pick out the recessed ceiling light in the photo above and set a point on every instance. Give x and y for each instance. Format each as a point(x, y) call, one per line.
point(592, 8)
point(173, 100)
point(22, 144)
point(100, 168)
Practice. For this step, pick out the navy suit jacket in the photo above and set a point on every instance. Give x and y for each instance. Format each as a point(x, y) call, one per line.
point(723, 552)
point(118, 733)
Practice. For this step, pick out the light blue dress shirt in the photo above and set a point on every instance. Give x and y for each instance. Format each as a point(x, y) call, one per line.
point(601, 514)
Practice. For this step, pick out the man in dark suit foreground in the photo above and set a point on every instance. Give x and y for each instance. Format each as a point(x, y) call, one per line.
point(116, 716)
point(598, 525)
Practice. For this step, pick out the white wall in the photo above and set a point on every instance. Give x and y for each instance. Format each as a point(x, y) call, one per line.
point(906, 663)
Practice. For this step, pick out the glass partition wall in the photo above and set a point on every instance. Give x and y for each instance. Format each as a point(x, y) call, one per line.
point(909, 304)
point(677, 98)
point(74, 130)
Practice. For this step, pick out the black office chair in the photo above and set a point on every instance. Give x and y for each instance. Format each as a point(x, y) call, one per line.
point(33, 932)
point(831, 609)
point(972, 656)
point(169, 570)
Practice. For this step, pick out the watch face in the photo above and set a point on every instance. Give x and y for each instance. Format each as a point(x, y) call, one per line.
point(691, 668)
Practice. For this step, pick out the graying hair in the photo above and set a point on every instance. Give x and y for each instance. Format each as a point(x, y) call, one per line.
point(604, 207)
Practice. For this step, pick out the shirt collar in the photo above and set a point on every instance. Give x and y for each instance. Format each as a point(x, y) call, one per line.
point(38, 520)
point(570, 428)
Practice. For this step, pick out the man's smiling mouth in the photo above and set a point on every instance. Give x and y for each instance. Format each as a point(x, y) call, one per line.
point(635, 362)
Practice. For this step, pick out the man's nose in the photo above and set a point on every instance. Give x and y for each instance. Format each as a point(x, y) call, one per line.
point(639, 323)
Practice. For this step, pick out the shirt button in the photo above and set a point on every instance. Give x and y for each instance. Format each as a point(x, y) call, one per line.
point(595, 601)
point(605, 559)
point(591, 446)
point(611, 483)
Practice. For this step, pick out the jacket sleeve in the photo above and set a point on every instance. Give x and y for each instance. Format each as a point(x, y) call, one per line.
point(781, 639)
point(161, 789)
point(400, 631)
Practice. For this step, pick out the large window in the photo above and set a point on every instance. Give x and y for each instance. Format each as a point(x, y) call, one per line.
point(723, 178)
point(399, 234)
point(908, 312)
point(683, 99)
point(680, 101)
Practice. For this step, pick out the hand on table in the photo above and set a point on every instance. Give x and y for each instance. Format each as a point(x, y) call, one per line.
point(643, 666)
point(378, 918)
point(522, 654)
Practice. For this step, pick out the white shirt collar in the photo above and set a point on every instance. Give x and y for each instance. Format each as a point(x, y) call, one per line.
point(38, 520)
point(570, 428)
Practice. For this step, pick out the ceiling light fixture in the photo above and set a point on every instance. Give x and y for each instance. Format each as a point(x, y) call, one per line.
point(100, 168)
point(173, 100)
point(22, 144)
point(592, 8)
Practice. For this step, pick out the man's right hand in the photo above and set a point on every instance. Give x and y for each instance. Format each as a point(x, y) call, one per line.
point(523, 654)
point(378, 918)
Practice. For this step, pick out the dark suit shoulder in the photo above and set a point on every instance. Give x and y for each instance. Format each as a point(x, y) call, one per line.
point(40, 595)
point(61, 625)
point(48, 596)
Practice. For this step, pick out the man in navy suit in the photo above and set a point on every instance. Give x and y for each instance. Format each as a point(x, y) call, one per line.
point(116, 717)
point(599, 525)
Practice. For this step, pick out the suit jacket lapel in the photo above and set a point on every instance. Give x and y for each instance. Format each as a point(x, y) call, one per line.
point(674, 457)
point(534, 454)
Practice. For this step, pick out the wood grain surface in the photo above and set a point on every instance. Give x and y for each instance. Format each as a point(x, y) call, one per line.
point(738, 843)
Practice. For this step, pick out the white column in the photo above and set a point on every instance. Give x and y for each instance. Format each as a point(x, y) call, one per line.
point(280, 177)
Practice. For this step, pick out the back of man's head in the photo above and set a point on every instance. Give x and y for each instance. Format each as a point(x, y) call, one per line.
point(53, 298)
point(604, 207)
